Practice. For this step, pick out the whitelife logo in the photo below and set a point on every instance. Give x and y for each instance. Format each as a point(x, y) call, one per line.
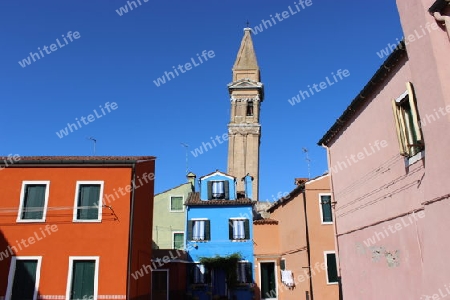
point(90, 118)
point(27, 61)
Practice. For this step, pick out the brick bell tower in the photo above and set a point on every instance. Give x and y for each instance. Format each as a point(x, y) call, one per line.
point(244, 130)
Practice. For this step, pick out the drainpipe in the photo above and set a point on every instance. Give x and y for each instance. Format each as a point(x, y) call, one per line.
point(130, 239)
point(336, 244)
point(307, 243)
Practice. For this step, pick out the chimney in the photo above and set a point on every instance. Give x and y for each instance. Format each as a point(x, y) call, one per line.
point(191, 179)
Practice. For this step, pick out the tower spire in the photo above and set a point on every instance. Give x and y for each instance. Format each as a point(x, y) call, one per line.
point(246, 62)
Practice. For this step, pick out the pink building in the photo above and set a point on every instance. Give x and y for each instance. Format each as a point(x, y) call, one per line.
point(388, 156)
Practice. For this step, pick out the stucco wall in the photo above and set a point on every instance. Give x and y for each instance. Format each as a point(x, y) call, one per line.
point(165, 222)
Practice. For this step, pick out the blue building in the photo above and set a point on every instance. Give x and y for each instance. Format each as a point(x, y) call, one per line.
point(219, 226)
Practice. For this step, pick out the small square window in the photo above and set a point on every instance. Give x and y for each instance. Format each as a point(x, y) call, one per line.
point(218, 190)
point(33, 201)
point(199, 230)
point(178, 240)
point(239, 229)
point(88, 201)
point(176, 203)
point(198, 274)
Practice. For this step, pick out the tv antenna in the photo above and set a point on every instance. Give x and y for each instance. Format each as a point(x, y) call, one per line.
point(94, 140)
point(186, 146)
point(308, 161)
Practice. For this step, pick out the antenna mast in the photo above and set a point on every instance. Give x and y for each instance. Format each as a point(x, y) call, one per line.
point(94, 140)
point(187, 165)
point(308, 161)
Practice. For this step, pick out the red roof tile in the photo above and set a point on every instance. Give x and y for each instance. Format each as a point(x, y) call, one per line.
point(194, 199)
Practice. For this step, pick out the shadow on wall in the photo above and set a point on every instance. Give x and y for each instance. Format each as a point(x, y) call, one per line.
point(23, 285)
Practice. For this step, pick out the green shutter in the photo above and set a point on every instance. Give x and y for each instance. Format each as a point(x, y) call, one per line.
point(230, 229)
point(332, 268)
point(207, 230)
point(33, 202)
point(24, 280)
point(283, 264)
point(83, 279)
point(226, 186)
point(176, 203)
point(327, 215)
point(209, 190)
point(249, 272)
point(88, 196)
point(247, 229)
point(190, 227)
point(178, 240)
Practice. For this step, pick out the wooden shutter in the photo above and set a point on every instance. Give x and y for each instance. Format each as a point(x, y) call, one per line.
point(413, 105)
point(226, 186)
point(332, 268)
point(399, 126)
point(249, 272)
point(190, 227)
point(247, 229)
point(34, 201)
point(207, 230)
point(230, 229)
point(209, 185)
point(24, 279)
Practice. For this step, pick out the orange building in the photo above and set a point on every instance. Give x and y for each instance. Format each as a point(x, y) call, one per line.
point(76, 227)
point(295, 248)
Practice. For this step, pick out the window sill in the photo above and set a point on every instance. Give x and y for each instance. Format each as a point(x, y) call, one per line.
point(240, 240)
point(332, 283)
point(176, 211)
point(413, 159)
point(327, 223)
point(30, 220)
point(86, 221)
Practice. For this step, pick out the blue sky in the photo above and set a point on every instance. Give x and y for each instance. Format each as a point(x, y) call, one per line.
point(117, 58)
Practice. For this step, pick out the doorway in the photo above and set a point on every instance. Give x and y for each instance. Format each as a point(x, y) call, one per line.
point(160, 284)
point(268, 281)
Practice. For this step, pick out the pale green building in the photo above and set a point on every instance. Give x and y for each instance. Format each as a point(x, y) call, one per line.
point(169, 215)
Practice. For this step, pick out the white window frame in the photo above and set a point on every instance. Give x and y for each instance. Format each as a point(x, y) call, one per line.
point(320, 208)
point(69, 276)
point(99, 204)
point(326, 265)
point(22, 195)
point(12, 271)
point(173, 239)
point(170, 203)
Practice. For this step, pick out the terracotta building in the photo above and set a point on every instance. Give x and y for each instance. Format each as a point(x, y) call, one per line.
point(388, 157)
point(295, 248)
point(76, 227)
